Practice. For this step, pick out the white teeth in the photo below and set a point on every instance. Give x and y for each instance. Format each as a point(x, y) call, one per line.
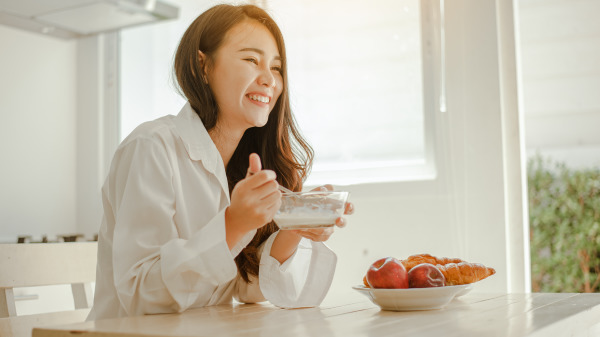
point(262, 99)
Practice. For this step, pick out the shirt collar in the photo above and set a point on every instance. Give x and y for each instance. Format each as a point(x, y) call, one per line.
point(196, 139)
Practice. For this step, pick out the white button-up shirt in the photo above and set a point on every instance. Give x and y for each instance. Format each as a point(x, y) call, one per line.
point(162, 241)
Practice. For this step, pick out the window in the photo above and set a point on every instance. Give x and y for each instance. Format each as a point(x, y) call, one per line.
point(356, 84)
point(355, 72)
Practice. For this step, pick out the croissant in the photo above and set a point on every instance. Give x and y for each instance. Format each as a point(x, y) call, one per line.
point(464, 272)
point(414, 260)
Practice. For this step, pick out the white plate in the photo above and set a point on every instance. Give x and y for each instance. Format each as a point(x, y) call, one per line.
point(468, 288)
point(411, 298)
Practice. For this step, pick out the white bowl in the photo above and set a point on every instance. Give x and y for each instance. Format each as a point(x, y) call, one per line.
point(314, 209)
point(412, 298)
point(463, 292)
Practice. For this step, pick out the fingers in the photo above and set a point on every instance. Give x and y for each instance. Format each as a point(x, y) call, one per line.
point(267, 190)
point(349, 209)
point(275, 204)
point(272, 200)
point(341, 222)
point(263, 191)
point(317, 235)
point(254, 165)
point(261, 178)
point(255, 199)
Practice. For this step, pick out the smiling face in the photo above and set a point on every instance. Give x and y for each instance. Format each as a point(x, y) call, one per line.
point(245, 77)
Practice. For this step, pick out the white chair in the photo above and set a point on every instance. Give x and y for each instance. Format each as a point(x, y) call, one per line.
point(44, 264)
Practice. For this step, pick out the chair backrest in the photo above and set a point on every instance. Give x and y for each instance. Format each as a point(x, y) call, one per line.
point(44, 264)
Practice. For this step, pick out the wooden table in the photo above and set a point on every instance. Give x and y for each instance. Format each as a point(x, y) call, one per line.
point(475, 314)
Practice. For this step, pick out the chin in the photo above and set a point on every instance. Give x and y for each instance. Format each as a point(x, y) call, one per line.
point(264, 122)
point(260, 122)
point(259, 125)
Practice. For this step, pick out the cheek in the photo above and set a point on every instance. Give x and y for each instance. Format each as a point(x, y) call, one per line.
point(217, 86)
point(226, 84)
point(278, 88)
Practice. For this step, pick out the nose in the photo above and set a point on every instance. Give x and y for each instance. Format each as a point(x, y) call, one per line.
point(267, 79)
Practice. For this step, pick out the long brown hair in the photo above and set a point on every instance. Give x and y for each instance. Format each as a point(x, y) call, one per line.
point(279, 143)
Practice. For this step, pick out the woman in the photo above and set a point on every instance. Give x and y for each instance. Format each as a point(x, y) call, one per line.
point(188, 207)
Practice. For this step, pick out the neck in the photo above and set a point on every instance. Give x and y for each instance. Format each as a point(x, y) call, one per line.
point(226, 140)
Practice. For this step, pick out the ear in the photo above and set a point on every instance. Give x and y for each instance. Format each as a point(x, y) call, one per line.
point(202, 58)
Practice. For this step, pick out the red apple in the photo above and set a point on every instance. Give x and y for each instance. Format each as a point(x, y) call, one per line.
point(387, 273)
point(425, 275)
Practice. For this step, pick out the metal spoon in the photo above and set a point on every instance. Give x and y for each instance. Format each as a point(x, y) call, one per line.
point(285, 190)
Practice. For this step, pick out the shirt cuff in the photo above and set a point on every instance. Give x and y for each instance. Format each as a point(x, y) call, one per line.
point(302, 280)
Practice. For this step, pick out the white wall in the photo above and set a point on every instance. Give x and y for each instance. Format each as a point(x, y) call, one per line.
point(37, 135)
point(560, 55)
point(58, 131)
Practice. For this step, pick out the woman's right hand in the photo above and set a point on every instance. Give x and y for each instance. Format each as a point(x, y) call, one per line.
point(254, 202)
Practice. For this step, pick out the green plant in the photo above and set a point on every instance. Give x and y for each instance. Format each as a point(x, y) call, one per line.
point(564, 220)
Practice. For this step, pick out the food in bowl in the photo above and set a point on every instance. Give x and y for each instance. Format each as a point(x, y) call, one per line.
point(453, 271)
point(313, 209)
point(425, 275)
point(387, 273)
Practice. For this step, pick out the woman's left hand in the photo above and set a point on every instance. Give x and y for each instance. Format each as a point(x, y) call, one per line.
point(323, 234)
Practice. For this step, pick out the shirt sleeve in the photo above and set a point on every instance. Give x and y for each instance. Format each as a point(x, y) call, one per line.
point(302, 280)
point(156, 271)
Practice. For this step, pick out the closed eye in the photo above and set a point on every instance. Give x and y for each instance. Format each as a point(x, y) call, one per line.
point(276, 68)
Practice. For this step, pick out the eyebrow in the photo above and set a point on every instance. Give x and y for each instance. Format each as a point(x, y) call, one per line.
point(258, 51)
